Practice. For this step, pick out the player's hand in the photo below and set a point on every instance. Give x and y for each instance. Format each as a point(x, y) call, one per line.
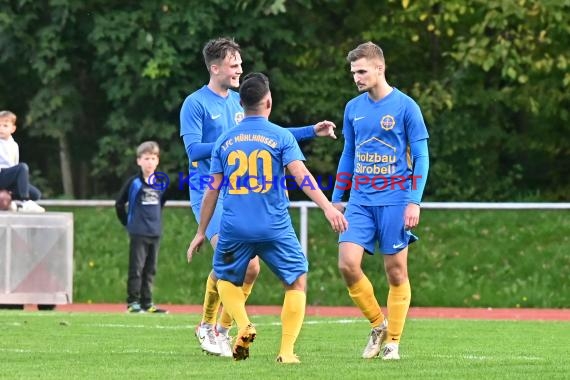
point(195, 245)
point(325, 128)
point(336, 219)
point(411, 216)
point(340, 207)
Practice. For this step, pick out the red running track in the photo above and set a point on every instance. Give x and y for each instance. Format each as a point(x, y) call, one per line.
point(350, 312)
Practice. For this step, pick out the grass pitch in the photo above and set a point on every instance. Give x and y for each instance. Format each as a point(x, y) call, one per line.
point(107, 346)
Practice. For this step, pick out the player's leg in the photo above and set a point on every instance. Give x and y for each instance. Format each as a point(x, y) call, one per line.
point(399, 297)
point(211, 297)
point(286, 259)
point(361, 236)
point(205, 331)
point(292, 316)
point(394, 241)
point(234, 300)
point(212, 300)
point(225, 321)
point(230, 265)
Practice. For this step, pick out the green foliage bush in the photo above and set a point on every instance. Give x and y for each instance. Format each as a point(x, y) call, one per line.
point(90, 80)
point(463, 259)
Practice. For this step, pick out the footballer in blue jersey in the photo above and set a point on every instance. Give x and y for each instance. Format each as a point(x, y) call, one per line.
point(385, 165)
point(205, 115)
point(252, 158)
point(377, 136)
point(248, 163)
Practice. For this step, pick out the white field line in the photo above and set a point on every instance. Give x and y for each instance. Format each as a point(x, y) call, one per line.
point(113, 351)
point(191, 327)
point(486, 358)
point(177, 353)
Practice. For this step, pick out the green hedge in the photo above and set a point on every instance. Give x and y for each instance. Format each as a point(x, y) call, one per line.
point(463, 258)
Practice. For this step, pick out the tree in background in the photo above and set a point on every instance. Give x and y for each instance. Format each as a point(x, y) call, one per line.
point(92, 79)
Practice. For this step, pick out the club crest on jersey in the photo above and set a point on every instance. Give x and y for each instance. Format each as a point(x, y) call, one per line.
point(238, 117)
point(387, 122)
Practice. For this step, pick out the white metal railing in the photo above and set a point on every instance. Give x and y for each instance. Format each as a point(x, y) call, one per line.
point(304, 207)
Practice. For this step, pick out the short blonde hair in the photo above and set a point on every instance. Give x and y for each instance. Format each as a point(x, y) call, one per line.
point(148, 147)
point(368, 50)
point(8, 115)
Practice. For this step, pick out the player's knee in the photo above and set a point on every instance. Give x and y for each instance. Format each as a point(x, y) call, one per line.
point(348, 270)
point(397, 276)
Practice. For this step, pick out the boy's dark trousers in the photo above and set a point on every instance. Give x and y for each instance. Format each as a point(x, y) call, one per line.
point(142, 267)
point(16, 179)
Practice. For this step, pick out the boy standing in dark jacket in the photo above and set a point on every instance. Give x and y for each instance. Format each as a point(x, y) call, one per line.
point(144, 198)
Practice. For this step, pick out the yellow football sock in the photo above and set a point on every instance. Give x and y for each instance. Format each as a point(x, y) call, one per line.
point(292, 316)
point(234, 302)
point(362, 293)
point(398, 304)
point(225, 318)
point(211, 302)
point(246, 288)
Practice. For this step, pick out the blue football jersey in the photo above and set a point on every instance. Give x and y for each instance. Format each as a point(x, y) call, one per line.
point(204, 116)
point(252, 157)
point(378, 134)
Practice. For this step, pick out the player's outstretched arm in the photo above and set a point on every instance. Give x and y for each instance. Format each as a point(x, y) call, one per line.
point(325, 128)
point(206, 211)
point(303, 177)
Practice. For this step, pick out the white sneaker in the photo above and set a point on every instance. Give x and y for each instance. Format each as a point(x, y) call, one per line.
point(377, 336)
point(391, 352)
point(31, 206)
point(225, 343)
point(13, 206)
point(208, 340)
